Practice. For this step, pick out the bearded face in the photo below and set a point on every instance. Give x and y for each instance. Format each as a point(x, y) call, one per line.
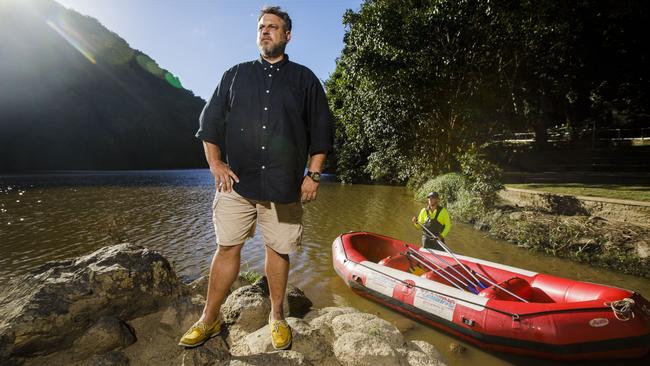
point(272, 38)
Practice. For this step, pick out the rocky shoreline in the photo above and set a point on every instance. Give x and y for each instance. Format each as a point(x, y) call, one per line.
point(125, 305)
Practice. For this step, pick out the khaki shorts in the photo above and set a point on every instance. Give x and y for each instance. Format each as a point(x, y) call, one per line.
point(234, 221)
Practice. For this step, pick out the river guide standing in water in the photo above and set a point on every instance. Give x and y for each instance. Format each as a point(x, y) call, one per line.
point(435, 219)
point(258, 128)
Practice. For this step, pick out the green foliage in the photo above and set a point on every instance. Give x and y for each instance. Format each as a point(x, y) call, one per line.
point(447, 185)
point(468, 195)
point(407, 100)
point(455, 194)
point(418, 83)
point(251, 276)
point(483, 176)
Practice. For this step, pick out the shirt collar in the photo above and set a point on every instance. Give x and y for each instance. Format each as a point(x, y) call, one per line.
point(278, 64)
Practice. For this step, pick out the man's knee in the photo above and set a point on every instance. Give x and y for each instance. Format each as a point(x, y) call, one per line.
point(229, 251)
point(274, 254)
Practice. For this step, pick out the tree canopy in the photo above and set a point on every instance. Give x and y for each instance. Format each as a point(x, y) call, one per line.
point(419, 83)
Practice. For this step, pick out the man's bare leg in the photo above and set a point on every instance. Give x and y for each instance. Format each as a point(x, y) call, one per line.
point(223, 272)
point(277, 271)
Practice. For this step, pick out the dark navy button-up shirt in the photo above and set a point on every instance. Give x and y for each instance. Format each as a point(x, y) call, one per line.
point(267, 119)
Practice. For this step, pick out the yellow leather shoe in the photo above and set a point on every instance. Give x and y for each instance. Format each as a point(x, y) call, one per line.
point(199, 333)
point(280, 333)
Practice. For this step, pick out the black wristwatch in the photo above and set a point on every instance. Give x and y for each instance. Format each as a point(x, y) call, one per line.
point(315, 176)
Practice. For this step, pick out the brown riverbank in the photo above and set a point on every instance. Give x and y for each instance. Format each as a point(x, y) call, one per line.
point(577, 228)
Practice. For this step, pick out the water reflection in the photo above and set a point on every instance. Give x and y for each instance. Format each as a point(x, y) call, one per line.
point(48, 217)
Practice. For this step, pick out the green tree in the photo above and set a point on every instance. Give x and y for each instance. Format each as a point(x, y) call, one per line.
point(414, 85)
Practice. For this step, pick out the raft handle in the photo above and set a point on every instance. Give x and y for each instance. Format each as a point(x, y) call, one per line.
point(469, 322)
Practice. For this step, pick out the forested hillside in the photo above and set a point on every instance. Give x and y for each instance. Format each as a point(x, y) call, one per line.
point(74, 95)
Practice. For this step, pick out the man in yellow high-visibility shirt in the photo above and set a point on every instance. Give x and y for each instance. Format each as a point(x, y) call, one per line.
point(434, 218)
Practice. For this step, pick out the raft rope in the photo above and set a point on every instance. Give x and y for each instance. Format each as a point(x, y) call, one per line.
point(622, 309)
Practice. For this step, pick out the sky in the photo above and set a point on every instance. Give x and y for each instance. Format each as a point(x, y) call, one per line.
point(197, 40)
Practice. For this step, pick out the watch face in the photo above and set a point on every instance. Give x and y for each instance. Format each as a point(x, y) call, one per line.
point(315, 176)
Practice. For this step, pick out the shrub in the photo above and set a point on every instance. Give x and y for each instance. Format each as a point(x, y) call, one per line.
point(470, 194)
point(483, 177)
point(447, 185)
point(457, 195)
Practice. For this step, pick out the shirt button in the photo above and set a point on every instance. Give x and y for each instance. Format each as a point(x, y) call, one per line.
point(269, 75)
point(268, 91)
point(242, 130)
point(264, 127)
point(266, 109)
point(263, 147)
point(263, 167)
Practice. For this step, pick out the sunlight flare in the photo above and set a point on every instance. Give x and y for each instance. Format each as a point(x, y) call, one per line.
point(74, 39)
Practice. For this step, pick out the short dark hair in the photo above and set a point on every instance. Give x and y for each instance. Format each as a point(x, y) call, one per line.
point(277, 11)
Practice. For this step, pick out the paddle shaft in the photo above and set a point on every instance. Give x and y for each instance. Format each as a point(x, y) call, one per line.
point(446, 248)
point(442, 260)
point(411, 251)
point(501, 288)
point(422, 258)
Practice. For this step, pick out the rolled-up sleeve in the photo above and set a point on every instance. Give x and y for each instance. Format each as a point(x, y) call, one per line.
point(320, 121)
point(212, 122)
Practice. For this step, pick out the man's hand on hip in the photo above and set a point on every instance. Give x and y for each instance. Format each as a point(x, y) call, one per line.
point(223, 176)
point(308, 189)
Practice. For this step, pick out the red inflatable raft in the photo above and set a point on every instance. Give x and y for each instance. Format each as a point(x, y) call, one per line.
point(495, 306)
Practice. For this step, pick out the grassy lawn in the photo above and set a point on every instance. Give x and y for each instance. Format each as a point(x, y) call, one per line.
point(625, 192)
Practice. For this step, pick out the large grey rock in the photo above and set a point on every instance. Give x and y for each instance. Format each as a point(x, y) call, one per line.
point(158, 334)
point(282, 358)
point(246, 310)
point(295, 303)
point(213, 352)
point(367, 324)
point(360, 349)
point(59, 301)
point(107, 334)
point(113, 358)
point(420, 353)
point(306, 340)
point(365, 339)
point(322, 319)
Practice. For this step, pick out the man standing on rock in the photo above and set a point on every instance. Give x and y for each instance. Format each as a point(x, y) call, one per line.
point(258, 128)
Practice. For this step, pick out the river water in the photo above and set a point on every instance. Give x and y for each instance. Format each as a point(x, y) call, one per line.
point(57, 216)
